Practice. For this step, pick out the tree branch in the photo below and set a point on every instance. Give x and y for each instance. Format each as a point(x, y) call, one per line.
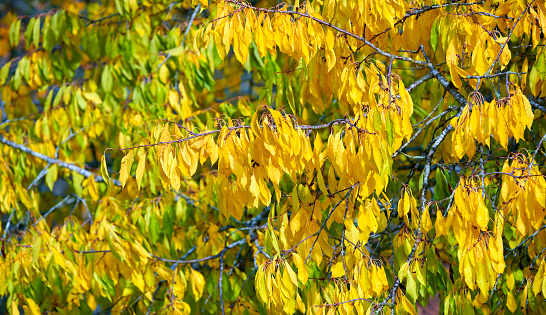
point(61, 163)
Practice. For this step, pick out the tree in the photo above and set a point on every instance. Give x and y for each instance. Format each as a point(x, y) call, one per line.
point(254, 157)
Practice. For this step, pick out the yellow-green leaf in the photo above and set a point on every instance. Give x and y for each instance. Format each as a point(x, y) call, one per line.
point(104, 170)
point(140, 170)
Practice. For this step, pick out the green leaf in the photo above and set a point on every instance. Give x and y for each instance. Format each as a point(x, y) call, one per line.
point(434, 35)
point(36, 33)
point(169, 217)
point(54, 22)
point(45, 128)
point(267, 241)
point(377, 122)
point(153, 50)
point(119, 7)
point(14, 30)
point(274, 241)
point(51, 176)
point(154, 228)
point(420, 276)
point(290, 97)
point(48, 39)
point(411, 287)
point(441, 190)
point(106, 284)
point(263, 94)
point(106, 79)
point(259, 63)
point(49, 98)
point(389, 128)
point(228, 108)
point(24, 68)
point(77, 179)
point(28, 32)
point(44, 69)
point(59, 96)
point(36, 248)
point(533, 77)
point(4, 73)
point(468, 308)
point(447, 304)
point(541, 65)
point(82, 103)
point(280, 94)
point(269, 91)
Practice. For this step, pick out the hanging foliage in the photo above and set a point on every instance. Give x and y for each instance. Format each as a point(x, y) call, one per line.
point(250, 157)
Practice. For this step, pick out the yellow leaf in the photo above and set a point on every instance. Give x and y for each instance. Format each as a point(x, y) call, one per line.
point(130, 159)
point(92, 97)
point(36, 248)
point(454, 75)
point(468, 271)
point(164, 73)
point(300, 304)
point(330, 39)
point(523, 301)
point(351, 234)
point(138, 280)
point(510, 281)
point(92, 188)
point(273, 238)
point(180, 284)
point(197, 283)
point(140, 169)
point(14, 308)
point(317, 254)
point(451, 54)
point(259, 283)
point(213, 152)
point(123, 171)
point(537, 283)
point(505, 57)
point(495, 249)
point(303, 275)
point(406, 304)
point(193, 162)
point(34, 308)
point(403, 271)
point(478, 58)
point(174, 177)
point(338, 270)
point(405, 205)
point(91, 301)
point(502, 132)
point(511, 302)
point(59, 259)
point(260, 40)
point(292, 275)
point(426, 222)
point(440, 224)
point(406, 99)
point(525, 69)
point(544, 286)
point(330, 59)
point(482, 216)
point(104, 170)
point(254, 188)
point(174, 52)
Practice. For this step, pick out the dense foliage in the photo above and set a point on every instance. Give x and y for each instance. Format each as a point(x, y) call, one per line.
point(321, 157)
